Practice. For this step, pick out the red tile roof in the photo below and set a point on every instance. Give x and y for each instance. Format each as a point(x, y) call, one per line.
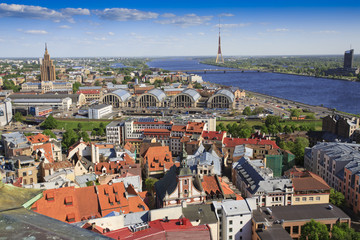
point(195, 127)
point(312, 182)
point(71, 204)
point(163, 230)
point(158, 158)
point(232, 142)
point(178, 128)
point(150, 131)
point(47, 147)
point(210, 185)
point(113, 167)
point(213, 135)
point(57, 165)
point(38, 138)
point(94, 91)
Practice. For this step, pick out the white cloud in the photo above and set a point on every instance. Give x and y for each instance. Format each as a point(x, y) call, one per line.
point(327, 32)
point(226, 15)
point(125, 14)
point(168, 15)
point(37, 12)
point(39, 32)
point(278, 30)
point(75, 11)
point(28, 11)
point(65, 27)
point(111, 33)
point(100, 38)
point(201, 33)
point(186, 20)
point(232, 25)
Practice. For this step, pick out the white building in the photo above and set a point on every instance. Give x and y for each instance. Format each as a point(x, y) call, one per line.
point(5, 112)
point(235, 218)
point(99, 111)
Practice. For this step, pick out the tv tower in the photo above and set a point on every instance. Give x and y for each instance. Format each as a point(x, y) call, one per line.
point(219, 57)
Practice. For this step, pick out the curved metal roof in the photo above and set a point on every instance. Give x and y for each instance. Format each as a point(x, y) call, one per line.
point(159, 94)
point(123, 94)
point(226, 93)
point(191, 93)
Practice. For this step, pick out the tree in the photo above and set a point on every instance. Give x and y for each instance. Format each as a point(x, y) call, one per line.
point(76, 87)
point(150, 183)
point(288, 129)
point(18, 117)
point(341, 231)
point(49, 133)
point(50, 123)
point(299, 150)
point(247, 111)
point(79, 126)
point(97, 83)
point(100, 132)
point(314, 231)
point(114, 81)
point(336, 198)
point(295, 113)
point(69, 138)
point(272, 120)
point(85, 136)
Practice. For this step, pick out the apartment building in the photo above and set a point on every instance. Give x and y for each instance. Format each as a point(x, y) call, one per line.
point(339, 165)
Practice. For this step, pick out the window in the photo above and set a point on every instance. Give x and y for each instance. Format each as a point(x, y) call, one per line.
point(241, 222)
point(288, 229)
point(185, 182)
point(304, 198)
point(295, 229)
point(240, 230)
point(230, 237)
point(30, 172)
point(24, 174)
point(230, 229)
point(311, 198)
point(317, 198)
point(297, 199)
point(230, 222)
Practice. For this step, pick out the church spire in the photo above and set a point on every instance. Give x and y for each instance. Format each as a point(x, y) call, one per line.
point(46, 51)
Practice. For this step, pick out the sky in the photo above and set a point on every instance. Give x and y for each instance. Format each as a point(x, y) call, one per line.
point(136, 28)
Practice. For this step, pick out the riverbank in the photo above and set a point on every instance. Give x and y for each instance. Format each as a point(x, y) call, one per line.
point(343, 78)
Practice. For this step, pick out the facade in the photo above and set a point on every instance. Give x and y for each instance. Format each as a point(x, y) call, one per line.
point(118, 98)
point(338, 164)
point(5, 112)
point(91, 93)
point(285, 222)
point(47, 68)
point(99, 111)
point(26, 169)
point(186, 99)
point(115, 132)
point(259, 183)
point(151, 99)
point(16, 144)
point(341, 126)
point(157, 160)
point(176, 187)
point(349, 58)
point(222, 99)
point(234, 218)
point(47, 86)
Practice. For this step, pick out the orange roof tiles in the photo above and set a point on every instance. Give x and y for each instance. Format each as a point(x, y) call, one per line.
point(232, 142)
point(178, 128)
point(57, 165)
point(213, 135)
point(158, 158)
point(311, 182)
point(113, 167)
point(71, 204)
point(38, 138)
point(210, 185)
point(47, 148)
point(195, 127)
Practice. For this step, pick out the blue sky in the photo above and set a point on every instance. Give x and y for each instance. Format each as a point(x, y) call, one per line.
point(177, 28)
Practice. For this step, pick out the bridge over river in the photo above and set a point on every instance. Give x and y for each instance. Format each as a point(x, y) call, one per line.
point(212, 70)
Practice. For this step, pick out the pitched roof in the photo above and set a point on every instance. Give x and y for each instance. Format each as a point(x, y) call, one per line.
point(178, 128)
point(158, 158)
point(232, 142)
point(113, 167)
point(312, 182)
point(38, 138)
point(210, 185)
point(56, 165)
point(47, 148)
point(195, 127)
point(213, 135)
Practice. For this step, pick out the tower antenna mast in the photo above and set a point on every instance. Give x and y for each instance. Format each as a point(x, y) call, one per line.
point(219, 57)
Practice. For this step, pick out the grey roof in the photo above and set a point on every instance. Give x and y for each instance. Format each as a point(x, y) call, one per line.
point(115, 124)
point(27, 100)
point(205, 158)
point(90, 88)
point(50, 185)
point(191, 93)
point(133, 180)
point(241, 150)
point(135, 218)
point(15, 138)
point(227, 93)
point(258, 179)
point(301, 213)
point(123, 94)
point(203, 212)
point(234, 207)
point(274, 232)
point(74, 97)
point(159, 94)
point(83, 179)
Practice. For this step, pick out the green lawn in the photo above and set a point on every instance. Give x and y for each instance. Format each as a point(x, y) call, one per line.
point(86, 125)
point(316, 123)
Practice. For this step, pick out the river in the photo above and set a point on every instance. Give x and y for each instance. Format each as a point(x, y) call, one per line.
point(339, 94)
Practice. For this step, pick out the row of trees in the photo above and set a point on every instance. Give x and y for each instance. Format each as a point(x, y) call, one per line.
point(241, 130)
point(247, 111)
point(314, 230)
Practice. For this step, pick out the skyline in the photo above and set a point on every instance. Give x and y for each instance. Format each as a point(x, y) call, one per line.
point(107, 28)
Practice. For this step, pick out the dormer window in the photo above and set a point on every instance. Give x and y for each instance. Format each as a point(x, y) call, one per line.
point(70, 217)
point(50, 196)
point(69, 201)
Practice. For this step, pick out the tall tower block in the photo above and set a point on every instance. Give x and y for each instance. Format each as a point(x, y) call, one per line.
point(47, 67)
point(349, 58)
point(219, 57)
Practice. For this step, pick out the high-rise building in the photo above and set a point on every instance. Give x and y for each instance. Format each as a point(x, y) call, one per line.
point(349, 58)
point(47, 68)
